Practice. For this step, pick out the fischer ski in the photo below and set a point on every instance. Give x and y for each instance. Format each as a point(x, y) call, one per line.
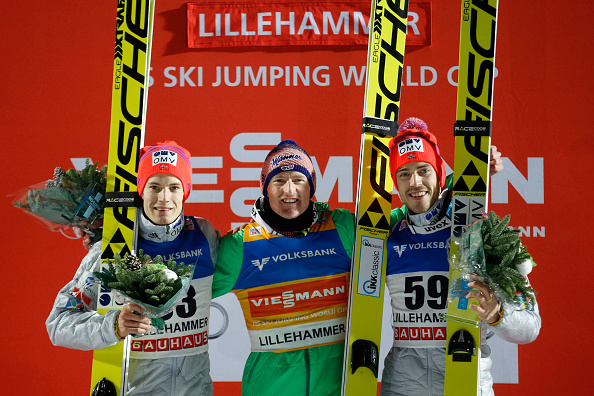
point(472, 131)
point(387, 38)
point(128, 116)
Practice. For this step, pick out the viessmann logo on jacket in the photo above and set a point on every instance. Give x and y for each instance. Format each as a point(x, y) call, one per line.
point(298, 297)
point(294, 291)
point(296, 315)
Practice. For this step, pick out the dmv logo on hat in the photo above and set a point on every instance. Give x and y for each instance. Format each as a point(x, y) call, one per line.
point(165, 157)
point(409, 145)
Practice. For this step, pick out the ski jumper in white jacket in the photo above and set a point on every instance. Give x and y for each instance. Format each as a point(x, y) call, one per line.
point(173, 361)
point(417, 279)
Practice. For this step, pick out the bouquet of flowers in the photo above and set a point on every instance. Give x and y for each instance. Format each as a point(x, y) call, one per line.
point(493, 253)
point(72, 199)
point(156, 286)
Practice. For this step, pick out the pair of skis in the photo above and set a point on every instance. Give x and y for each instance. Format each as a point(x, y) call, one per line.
point(470, 192)
point(128, 116)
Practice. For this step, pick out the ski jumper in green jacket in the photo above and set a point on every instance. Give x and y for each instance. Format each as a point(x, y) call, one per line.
point(294, 295)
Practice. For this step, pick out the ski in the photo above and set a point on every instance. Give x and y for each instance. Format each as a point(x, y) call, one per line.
point(472, 131)
point(128, 116)
point(387, 37)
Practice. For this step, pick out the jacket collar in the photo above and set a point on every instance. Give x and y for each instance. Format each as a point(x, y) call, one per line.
point(160, 233)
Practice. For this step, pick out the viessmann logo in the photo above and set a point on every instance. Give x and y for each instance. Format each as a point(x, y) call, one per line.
point(299, 297)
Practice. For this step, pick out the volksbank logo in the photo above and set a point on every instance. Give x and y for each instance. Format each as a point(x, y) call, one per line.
point(293, 256)
point(186, 254)
point(260, 263)
point(370, 266)
point(418, 246)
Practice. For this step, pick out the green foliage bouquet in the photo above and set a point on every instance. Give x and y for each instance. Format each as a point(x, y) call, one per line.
point(494, 254)
point(155, 285)
point(71, 199)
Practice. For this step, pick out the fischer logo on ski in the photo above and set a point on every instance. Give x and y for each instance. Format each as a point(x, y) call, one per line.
point(478, 102)
point(131, 65)
point(471, 185)
point(127, 116)
point(388, 56)
point(385, 55)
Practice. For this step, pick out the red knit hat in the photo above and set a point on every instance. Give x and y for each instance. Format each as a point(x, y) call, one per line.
point(165, 157)
point(415, 143)
point(287, 156)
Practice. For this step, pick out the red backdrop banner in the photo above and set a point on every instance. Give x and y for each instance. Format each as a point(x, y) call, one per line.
point(277, 23)
point(230, 105)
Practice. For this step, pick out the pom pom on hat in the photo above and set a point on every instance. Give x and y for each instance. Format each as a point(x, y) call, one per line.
point(413, 123)
point(415, 143)
point(287, 156)
point(165, 157)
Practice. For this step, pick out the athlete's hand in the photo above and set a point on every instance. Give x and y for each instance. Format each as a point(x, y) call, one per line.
point(86, 237)
point(496, 164)
point(488, 308)
point(130, 322)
